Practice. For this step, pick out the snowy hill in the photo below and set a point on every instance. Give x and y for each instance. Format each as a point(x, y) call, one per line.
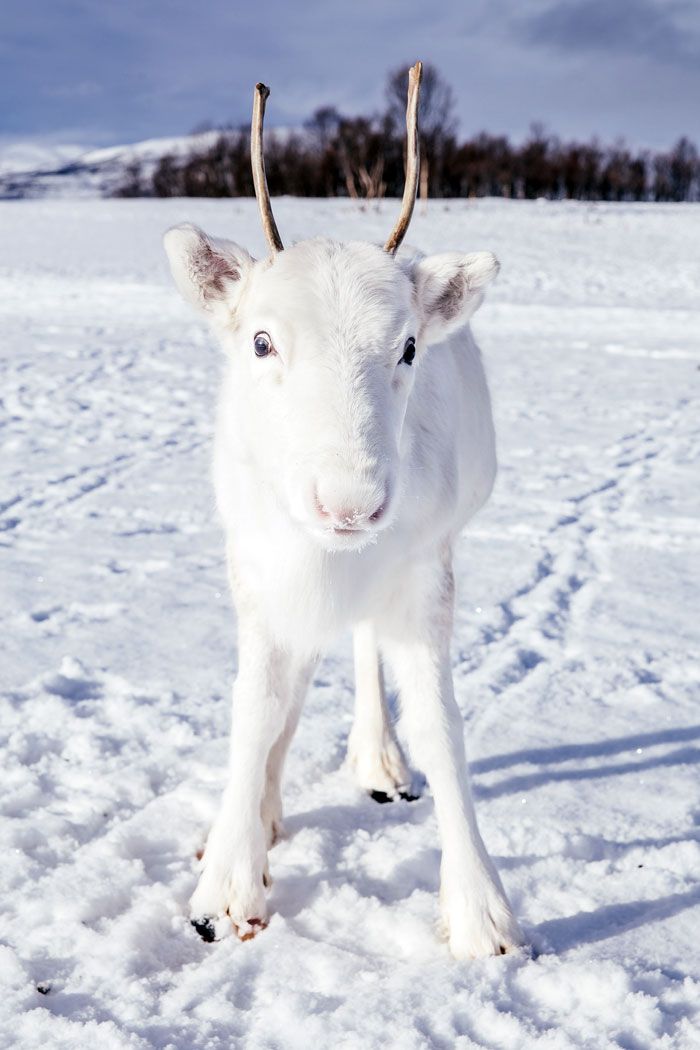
point(33, 172)
point(574, 658)
point(32, 155)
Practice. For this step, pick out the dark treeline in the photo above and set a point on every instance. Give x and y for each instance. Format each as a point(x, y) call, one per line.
point(363, 157)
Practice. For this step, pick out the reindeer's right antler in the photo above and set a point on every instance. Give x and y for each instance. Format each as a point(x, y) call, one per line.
point(412, 160)
point(258, 163)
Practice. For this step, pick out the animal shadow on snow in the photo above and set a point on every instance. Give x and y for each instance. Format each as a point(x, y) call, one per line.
point(685, 755)
point(588, 927)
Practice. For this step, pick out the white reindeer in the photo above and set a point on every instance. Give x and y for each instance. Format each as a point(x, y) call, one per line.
point(354, 441)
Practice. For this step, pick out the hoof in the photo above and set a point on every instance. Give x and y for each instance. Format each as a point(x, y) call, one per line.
point(476, 930)
point(205, 928)
point(245, 931)
point(382, 796)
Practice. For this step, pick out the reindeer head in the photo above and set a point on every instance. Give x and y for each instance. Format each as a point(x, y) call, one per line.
point(324, 340)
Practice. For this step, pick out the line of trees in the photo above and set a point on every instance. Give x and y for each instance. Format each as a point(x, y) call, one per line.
point(363, 157)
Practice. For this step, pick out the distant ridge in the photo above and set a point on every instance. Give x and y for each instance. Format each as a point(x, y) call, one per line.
point(96, 173)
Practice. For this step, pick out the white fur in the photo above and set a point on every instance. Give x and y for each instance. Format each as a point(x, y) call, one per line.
point(343, 476)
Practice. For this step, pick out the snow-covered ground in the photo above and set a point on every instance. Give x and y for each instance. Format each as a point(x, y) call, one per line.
point(575, 658)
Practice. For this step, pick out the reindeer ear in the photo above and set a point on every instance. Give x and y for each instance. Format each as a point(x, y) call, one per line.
point(206, 270)
point(449, 289)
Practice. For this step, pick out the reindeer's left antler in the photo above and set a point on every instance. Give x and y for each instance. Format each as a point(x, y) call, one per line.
point(412, 160)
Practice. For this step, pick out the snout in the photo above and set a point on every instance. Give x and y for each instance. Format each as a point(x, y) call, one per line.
point(347, 515)
point(349, 507)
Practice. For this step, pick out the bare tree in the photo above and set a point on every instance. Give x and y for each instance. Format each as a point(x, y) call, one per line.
point(436, 119)
point(361, 157)
point(323, 126)
point(436, 108)
point(133, 184)
point(684, 171)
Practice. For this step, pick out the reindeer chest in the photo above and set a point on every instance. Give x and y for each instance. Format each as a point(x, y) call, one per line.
point(308, 596)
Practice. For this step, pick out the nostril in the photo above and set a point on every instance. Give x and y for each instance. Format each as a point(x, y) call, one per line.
point(322, 511)
point(381, 510)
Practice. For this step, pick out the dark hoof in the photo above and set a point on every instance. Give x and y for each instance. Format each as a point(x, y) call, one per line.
point(382, 796)
point(205, 928)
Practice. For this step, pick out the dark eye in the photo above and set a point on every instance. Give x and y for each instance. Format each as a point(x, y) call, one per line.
point(262, 344)
point(409, 351)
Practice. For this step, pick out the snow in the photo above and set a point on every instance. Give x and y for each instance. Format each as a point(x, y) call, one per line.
point(575, 658)
point(31, 169)
point(17, 156)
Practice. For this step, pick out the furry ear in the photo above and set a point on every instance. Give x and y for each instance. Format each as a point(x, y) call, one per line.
point(449, 289)
point(206, 270)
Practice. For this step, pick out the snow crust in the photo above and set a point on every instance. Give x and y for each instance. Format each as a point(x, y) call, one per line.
point(575, 657)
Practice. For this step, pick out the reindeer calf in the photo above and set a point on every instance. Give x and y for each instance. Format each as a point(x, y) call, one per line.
point(354, 441)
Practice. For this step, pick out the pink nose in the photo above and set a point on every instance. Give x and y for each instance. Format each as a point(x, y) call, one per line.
point(347, 514)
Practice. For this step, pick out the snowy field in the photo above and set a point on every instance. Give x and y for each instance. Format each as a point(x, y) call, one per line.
point(575, 658)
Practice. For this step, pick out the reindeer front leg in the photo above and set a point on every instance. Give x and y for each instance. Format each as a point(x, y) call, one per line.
point(271, 807)
point(373, 750)
point(475, 909)
point(235, 874)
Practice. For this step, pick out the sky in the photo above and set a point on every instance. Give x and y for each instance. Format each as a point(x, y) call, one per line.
point(102, 72)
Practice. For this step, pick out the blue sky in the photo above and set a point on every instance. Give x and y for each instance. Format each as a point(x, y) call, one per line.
point(102, 71)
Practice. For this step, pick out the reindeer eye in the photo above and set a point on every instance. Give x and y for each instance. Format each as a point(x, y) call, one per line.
point(262, 344)
point(409, 351)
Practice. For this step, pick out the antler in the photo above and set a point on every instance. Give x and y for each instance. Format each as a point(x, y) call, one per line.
point(262, 93)
point(412, 160)
point(258, 163)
